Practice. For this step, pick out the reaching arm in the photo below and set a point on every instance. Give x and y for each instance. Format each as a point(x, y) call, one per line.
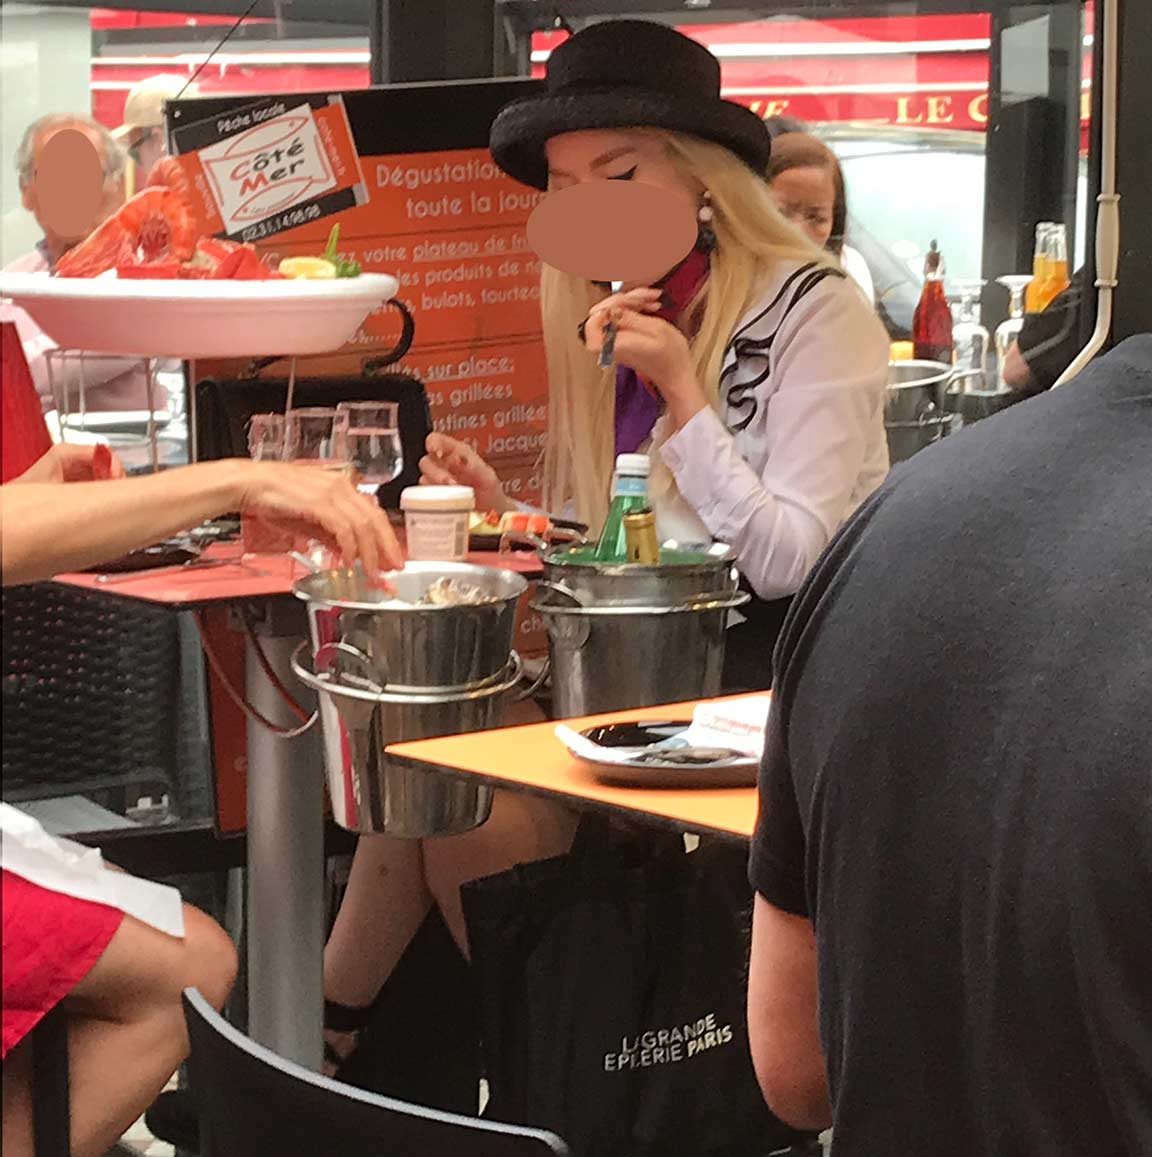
point(46, 528)
point(783, 1028)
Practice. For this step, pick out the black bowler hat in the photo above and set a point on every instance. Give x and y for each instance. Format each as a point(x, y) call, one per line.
point(625, 74)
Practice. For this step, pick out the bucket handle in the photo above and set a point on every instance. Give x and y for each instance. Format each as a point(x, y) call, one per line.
point(530, 689)
point(721, 603)
point(514, 674)
point(564, 591)
point(326, 660)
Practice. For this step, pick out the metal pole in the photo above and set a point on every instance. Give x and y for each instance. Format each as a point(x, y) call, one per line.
point(380, 42)
point(285, 867)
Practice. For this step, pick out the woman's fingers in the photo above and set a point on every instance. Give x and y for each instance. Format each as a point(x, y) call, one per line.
point(432, 473)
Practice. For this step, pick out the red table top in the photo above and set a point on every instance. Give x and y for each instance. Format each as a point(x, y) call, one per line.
point(241, 579)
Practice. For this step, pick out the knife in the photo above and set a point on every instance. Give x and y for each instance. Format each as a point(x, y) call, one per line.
point(608, 348)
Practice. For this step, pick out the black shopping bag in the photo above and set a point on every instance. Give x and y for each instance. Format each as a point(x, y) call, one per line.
point(611, 986)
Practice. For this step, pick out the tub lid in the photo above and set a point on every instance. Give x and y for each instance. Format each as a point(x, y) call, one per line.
point(451, 499)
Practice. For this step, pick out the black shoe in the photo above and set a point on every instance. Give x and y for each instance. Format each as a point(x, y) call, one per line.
point(173, 1118)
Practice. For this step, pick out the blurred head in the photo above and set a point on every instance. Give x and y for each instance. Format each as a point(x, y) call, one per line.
point(808, 186)
point(751, 237)
point(71, 175)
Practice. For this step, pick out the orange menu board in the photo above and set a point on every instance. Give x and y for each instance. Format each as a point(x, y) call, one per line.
point(450, 227)
point(406, 174)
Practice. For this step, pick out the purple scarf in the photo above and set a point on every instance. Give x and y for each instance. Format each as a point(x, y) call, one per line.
point(638, 405)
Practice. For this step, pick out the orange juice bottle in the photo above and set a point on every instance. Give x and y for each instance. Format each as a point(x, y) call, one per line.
point(1034, 295)
point(1057, 264)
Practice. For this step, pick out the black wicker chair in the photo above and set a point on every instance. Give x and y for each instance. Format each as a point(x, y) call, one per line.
point(89, 691)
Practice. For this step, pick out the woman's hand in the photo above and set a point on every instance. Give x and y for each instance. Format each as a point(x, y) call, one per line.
point(450, 462)
point(651, 346)
point(66, 462)
point(322, 504)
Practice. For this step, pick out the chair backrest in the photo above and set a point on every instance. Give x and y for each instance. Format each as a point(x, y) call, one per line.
point(252, 1101)
point(224, 409)
point(88, 685)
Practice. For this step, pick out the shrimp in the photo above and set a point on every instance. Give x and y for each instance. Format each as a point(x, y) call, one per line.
point(169, 173)
point(156, 223)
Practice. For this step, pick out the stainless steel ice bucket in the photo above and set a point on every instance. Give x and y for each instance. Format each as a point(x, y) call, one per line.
point(415, 649)
point(915, 409)
point(623, 636)
point(373, 793)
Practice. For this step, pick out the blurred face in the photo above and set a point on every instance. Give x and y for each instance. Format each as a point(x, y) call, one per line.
point(651, 228)
point(70, 193)
point(807, 197)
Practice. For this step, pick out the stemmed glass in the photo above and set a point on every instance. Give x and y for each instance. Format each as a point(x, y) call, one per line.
point(265, 443)
point(1009, 330)
point(970, 338)
point(317, 436)
point(373, 442)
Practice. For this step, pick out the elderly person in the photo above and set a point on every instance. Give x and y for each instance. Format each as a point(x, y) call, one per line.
point(50, 167)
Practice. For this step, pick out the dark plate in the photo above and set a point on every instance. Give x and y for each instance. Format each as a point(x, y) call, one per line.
point(661, 775)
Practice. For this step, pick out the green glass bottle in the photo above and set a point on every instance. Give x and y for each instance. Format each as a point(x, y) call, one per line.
point(629, 495)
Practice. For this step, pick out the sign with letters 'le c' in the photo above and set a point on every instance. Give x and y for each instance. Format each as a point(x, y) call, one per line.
point(271, 166)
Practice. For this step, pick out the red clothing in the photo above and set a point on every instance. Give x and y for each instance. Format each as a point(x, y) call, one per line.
point(50, 943)
point(25, 435)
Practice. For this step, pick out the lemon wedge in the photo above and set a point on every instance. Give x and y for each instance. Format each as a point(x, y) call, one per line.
point(312, 268)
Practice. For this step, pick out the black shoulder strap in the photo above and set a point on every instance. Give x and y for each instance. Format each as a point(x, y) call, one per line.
point(51, 1102)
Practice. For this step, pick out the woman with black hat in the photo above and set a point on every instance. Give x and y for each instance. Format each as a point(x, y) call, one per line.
point(752, 373)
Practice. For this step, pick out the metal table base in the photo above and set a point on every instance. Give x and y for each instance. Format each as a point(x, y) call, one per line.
point(285, 863)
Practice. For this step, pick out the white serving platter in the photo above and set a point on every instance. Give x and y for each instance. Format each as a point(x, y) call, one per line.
point(198, 319)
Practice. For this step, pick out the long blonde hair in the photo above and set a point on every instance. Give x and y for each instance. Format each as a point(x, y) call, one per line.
point(751, 237)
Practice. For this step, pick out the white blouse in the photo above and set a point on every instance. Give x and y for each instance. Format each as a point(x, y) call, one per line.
point(799, 442)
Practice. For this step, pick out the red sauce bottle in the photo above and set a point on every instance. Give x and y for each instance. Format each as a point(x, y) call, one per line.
point(932, 321)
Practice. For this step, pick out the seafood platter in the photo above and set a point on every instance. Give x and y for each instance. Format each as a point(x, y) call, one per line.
point(144, 282)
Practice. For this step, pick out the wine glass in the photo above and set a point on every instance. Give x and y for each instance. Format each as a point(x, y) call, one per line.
point(373, 442)
point(265, 443)
point(317, 436)
point(970, 338)
point(1009, 330)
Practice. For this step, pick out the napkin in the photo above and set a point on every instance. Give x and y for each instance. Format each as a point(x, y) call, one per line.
point(59, 865)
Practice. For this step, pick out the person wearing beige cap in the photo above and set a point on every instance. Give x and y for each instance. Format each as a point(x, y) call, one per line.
point(142, 133)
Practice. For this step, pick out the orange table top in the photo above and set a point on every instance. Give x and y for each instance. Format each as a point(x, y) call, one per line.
point(238, 579)
point(532, 759)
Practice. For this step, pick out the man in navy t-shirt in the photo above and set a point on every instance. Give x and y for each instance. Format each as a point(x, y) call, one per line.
point(953, 863)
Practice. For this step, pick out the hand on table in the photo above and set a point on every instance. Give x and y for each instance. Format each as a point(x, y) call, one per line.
point(325, 506)
point(66, 462)
point(450, 462)
point(651, 346)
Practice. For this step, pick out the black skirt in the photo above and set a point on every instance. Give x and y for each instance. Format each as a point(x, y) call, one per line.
point(750, 645)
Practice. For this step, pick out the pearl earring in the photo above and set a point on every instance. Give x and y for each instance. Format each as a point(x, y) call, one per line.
point(705, 234)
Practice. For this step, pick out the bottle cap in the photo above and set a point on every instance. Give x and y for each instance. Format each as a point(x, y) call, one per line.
point(635, 465)
point(445, 499)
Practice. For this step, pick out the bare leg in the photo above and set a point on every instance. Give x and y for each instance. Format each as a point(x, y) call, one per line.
point(384, 906)
point(126, 1030)
point(521, 829)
